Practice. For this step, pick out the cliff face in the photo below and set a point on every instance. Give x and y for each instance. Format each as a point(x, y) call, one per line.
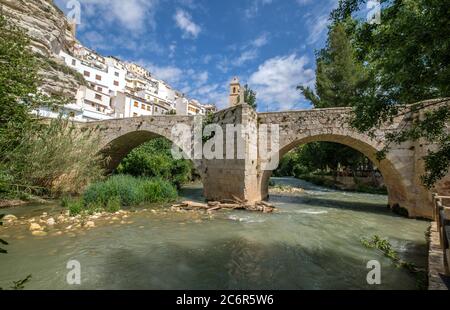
point(49, 32)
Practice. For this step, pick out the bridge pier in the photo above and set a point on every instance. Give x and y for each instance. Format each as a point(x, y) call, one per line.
point(236, 175)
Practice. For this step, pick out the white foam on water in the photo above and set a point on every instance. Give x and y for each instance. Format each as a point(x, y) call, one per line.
point(245, 219)
point(312, 212)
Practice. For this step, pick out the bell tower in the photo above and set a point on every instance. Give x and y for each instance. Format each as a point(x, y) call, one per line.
point(236, 93)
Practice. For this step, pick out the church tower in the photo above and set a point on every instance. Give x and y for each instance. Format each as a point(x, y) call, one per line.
point(236, 93)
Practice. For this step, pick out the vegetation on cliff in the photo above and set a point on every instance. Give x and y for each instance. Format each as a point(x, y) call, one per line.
point(36, 157)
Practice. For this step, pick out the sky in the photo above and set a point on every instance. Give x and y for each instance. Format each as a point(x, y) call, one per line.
point(198, 46)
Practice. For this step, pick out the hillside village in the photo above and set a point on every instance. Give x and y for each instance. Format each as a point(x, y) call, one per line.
point(102, 87)
point(117, 89)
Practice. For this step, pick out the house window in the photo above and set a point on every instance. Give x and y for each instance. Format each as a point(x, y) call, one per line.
point(71, 114)
point(136, 104)
point(98, 77)
point(98, 97)
point(143, 106)
point(234, 90)
point(100, 89)
point(149, 108)
point(87, 73)
point(116, 83)
point(74, 62)
point(116, 74)
point(135, 114)
point(156, 109)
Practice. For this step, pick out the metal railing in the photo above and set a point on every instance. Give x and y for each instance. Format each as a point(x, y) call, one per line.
point(441, 214)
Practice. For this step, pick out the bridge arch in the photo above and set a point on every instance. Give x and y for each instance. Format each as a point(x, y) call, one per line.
point(118, 137)
point(389, 168)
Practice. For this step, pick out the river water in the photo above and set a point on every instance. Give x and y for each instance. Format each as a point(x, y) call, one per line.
point(312, 242)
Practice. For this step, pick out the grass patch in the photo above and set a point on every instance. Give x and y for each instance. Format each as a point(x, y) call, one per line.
point(118, 191)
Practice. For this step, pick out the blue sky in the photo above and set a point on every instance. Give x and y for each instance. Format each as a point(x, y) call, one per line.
point(198, 46)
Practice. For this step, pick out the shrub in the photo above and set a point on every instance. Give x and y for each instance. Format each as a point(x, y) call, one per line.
point(130, 191)
point(154, 160)
point(113, 204)
point(75, 206)
point(57, 158)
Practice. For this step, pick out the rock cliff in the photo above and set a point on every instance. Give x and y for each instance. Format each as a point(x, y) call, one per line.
point(50, 32)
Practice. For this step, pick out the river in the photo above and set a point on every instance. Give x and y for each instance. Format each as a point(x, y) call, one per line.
point(312, 242)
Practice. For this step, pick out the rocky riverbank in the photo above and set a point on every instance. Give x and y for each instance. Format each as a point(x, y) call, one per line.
point(56, 224)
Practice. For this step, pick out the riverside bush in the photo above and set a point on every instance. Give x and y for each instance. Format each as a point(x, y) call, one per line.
point(37, 157)
point(154, 160)
point(125, 190)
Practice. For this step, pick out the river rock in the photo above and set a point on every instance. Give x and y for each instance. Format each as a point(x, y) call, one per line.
point(35, 227)
point(51, 221)
point(39, 233)
point(89, 224)
point(10, 218)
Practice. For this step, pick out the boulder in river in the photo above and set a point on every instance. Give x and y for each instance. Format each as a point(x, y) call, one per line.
point(9, 218)
point(35, 227)
point(51, 221)
point(89, 224)
point(39, 233)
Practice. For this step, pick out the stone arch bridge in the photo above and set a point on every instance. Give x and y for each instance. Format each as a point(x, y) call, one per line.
point(245, 179)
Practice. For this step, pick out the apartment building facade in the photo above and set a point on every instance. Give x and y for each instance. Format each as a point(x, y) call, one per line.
point(116, 89)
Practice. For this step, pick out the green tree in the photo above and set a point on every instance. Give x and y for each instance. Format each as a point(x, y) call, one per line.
point(154, 160)
point(338, 74)
point(406, 59)
point(36, 156)
point(250, 97)
point(19, 81)
point(338, 77)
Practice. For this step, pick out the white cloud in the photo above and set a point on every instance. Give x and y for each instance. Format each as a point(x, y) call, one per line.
point(248, 52)
point(132, 15)
point(245, 57)
point(170, 74)
point(276, 81)
point(317, 28)
point(184, 21)
point(317, 19)
point(172, 49)
point(260, 41)
point(254, 7)
point(304, 2)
